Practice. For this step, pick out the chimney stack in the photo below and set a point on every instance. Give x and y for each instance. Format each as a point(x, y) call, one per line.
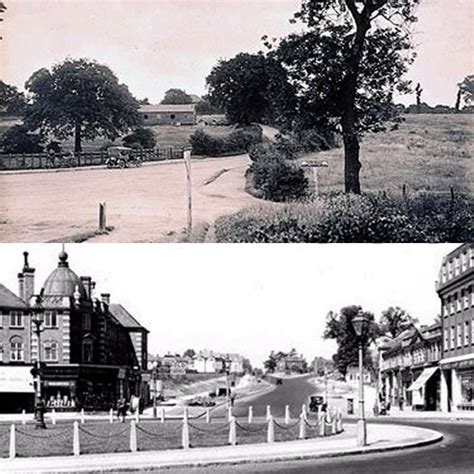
point(87, 282)
point(26, 280)
point(105, 298)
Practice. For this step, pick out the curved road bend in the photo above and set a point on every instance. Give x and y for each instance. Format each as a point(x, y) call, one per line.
point(455, 454)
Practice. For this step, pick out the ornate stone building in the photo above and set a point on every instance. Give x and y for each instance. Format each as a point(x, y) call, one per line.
point(94, 351)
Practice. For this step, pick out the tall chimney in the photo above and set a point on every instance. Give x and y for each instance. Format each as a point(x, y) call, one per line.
point(26, 280)
point(87, 282)
point(105, 298)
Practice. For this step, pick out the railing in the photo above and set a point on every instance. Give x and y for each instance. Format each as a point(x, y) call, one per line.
point(96, 158)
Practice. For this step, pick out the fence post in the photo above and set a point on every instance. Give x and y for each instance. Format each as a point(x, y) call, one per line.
point(452, 193)
point(76, 448)
point(269, 412)
point(270, 430)
point(102, 216)
point(302, 433)
point(287, 414)
point(303, 411)
point(53, 416)
point(232, 432)
point(23, 417)
point(12, 451)
point(137, 415)
point(321, 421)
point(133, 436)
point(208, 415)
point(250, 420)
point(162, 414)
point(83, 420)
point(404, 190)
point(111, 416)
point(185, 432)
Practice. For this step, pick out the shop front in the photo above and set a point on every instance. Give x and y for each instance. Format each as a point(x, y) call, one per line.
point(458, 378)
point(17, 391)
point(424, 390)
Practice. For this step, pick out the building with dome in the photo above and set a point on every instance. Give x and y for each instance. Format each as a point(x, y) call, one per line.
point(94, 351)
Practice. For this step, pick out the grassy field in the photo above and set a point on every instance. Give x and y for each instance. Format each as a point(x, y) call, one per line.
point(427, 153)
point(103, 437)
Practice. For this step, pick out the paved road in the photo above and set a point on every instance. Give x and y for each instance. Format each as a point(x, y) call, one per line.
point(453, 455)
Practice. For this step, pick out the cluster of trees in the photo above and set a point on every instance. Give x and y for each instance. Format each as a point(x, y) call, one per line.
point(392, 322)
point(271, 363)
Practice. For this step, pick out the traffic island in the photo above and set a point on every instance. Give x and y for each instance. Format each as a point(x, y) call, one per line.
point(380, 438)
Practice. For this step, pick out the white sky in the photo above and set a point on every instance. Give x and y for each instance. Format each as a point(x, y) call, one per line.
point(245, 298)
point(154, 45)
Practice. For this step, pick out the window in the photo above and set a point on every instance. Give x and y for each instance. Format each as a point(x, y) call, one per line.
point(50, 350)
point(466, 333)
point(145, 117)
point(16, 350)
point(458, 302)
point(465, 298)
point(443, 274)
point(16, 319)
point(172, 116)
point(464, 261)
point(450, 270)
point(50, 319)
point(472, 331)
point(86, 321)
point(453, 337)
point(87, 351)
point(456, 266)
point(451, 304)
point(459, 335)
point(446, 339)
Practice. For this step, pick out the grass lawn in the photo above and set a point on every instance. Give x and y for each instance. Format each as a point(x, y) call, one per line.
point(427, 153)
point(103, 437)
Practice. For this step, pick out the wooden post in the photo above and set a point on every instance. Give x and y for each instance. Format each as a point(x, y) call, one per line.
point(102, 216)
point(404, 190)
point(250, 420)
point(187, 164)
point(302, 433)
point(270, 430)
point(452, 193)
point(76, 449)
point(287, 414)
point(12, 450)
point(133, 436)
point(232, 431)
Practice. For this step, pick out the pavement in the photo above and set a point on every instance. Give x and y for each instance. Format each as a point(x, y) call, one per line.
point(381, 438)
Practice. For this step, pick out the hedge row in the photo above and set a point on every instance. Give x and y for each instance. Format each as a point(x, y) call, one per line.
point(349, 218)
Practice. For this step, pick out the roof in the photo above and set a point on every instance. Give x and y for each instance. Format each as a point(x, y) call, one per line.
point(124, 317)
point(166, 108)
point(8, 299)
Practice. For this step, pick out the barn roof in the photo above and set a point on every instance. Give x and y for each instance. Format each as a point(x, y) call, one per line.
point(163, 108)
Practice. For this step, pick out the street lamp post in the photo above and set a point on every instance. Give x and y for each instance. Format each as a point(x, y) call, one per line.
point(360, 323)
point(154, 374)
point(38, 315)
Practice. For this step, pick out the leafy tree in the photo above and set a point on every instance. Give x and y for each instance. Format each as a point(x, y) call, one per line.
point(81, 98)
point(248, 87)
point(176, 96)
point(339, 327)
point(418, 91)
point(144, 101)
point(189, 353)
point(271, 363)
point(466, 88)
point(17, 139)
point(345, 66)
point(394, 321)
point(12, 101)
point(204, 107)
point(247, 365)
point(140, 138)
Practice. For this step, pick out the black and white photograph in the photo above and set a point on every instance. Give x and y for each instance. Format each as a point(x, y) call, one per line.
point(146, 146)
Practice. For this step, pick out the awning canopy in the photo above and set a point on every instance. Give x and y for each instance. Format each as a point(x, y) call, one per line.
point(423, 378)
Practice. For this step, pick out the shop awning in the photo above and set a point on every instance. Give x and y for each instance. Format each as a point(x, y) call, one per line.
point(423, 378)
point(16, 379)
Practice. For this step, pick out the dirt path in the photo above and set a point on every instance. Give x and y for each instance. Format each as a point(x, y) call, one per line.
point(143, 204)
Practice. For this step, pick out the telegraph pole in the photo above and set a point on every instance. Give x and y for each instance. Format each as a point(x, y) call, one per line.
point(187, 164)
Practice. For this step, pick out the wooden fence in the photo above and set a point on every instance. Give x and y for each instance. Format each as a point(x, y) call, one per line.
point(97, 158)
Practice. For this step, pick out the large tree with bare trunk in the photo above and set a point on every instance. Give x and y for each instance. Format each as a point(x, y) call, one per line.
point(346, 64)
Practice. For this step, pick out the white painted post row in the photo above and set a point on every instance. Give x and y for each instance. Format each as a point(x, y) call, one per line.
point(250, 419)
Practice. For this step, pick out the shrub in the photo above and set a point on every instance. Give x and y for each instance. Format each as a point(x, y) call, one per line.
point(18, 139)
point(140, 138)
point(238, 141)
point(348, 218)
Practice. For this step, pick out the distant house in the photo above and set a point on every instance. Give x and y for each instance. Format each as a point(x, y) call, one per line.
point(215, 362)
point(290, 362)
point(168, 114)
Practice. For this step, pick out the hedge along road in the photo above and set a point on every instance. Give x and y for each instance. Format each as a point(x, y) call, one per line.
point(143, 204)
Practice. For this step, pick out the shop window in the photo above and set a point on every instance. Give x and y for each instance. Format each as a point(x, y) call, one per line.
point(51, 351)
point(16, 349)
point(50, 319)
point(16, 319)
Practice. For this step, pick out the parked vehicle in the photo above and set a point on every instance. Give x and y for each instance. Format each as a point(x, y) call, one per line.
point(122, 157)
point(316, 401)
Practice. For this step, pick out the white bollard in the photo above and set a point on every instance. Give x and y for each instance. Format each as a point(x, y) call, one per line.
point(133, 436)
point(23, 417)
point(339, 421)
point(270, 430)
point(111, 416)
point(229, 413)
point(208, 416)
point(287, 414)
point(232, 431)
point(162, 414)
point(302, 433)
point(321, 421)
point(53, 416)
point(83, 420)
point(12, 451)
point(250, 420)
point(303, 411)
point(334, 423)
point(185, 433)
point(76, 448)
point(269, 412)
point(137, 415)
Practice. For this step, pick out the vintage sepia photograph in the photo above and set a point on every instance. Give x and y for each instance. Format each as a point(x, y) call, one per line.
point(236, 120)
point(123, 357)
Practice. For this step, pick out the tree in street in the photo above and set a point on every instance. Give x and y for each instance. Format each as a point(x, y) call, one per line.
point(176, 96)
point(271, 363)
point(394, 321)
point(346, 65)
point(12, 101)
point(18, 139)
point(339, 327)
point(80, 98)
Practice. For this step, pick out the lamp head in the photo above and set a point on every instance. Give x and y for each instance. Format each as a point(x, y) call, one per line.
point(360, 324)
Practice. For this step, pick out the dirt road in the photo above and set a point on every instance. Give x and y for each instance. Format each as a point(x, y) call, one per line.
point(143, 204)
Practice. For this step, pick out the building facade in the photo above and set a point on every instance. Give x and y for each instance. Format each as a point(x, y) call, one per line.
point(94, 352)
point(168, 114)
point(455, 287)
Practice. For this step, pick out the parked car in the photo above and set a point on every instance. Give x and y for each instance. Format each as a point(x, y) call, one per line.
point(121, 157)
point(316, 401)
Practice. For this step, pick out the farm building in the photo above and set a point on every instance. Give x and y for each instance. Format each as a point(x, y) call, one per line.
point(168, 114)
